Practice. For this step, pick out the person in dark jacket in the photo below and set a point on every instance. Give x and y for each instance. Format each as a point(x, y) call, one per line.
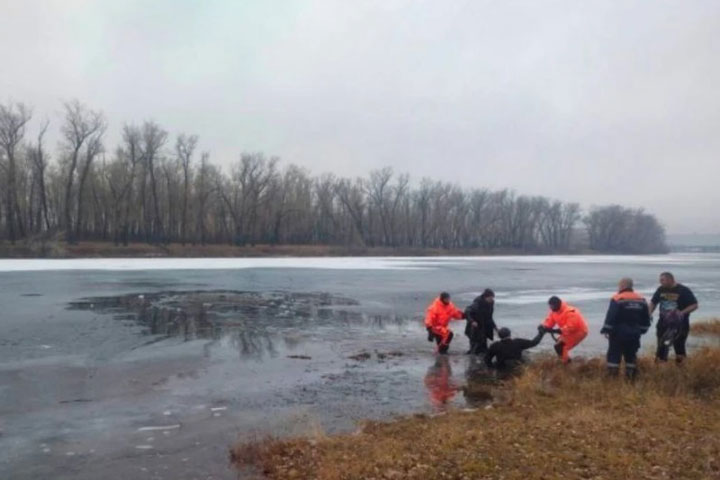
point(507, 352)
point(480, 324)
point(627, 318)
point(675, 300)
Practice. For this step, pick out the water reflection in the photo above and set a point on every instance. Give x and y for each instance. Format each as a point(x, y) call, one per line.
point(439, 382)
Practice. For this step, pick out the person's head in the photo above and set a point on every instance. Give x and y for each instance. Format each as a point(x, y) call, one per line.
point(445, 297)
point(554, 303)
point(625, 283)
point(504, 333)
point(488, 295)
point(667, 279)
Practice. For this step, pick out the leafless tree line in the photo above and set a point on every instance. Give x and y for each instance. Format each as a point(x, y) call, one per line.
point(152, 188)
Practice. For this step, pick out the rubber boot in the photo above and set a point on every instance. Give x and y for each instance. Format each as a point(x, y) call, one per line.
point(630, 374)
point(613, 372)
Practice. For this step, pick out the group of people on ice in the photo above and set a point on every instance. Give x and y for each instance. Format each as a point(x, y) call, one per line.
point(628, 317)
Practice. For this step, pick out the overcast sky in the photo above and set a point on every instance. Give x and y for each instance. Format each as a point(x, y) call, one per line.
point(597, 102)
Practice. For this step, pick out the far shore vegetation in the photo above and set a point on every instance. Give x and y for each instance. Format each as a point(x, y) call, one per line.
point(164, 189)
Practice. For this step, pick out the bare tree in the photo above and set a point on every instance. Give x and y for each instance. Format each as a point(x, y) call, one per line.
point(80, 125)
point(153, 140)
point(93, 148)
point(185, 147)
point(39, 160)
point(13, 119)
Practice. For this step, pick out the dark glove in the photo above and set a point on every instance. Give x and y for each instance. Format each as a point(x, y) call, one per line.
point(542, 329)
point(431, 335)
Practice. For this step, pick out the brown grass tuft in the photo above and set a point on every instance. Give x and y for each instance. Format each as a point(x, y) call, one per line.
point(706, 327)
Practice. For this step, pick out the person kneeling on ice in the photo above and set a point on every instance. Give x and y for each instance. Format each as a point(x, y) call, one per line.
point(508, 351)
point(573, 327)
point(439, 314)
point(628, 317)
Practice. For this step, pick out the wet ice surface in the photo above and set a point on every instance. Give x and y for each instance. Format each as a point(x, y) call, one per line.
point(152, 368)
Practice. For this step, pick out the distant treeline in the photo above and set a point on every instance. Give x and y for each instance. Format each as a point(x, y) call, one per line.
point(157, 189)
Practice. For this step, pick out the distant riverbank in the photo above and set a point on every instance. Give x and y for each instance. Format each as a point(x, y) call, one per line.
point(58, 249)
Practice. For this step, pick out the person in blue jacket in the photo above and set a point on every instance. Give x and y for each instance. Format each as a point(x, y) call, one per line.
point(627, 318)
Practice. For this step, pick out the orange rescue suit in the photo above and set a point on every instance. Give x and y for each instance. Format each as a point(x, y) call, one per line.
point(573, 327)
point(438, 317)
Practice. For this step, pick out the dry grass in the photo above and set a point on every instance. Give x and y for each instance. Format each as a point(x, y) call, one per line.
point(706, 327)
point(552, 422)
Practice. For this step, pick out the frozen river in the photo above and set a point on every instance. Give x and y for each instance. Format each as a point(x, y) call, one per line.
point(152, 368)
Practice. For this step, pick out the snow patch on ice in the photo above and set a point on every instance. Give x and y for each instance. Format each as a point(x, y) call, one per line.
point(333, 263)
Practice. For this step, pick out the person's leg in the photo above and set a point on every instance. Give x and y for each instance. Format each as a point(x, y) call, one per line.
point(481, 341)
point(445, 338)
point(630, 349)
point(614, 354)
point(559, 348)
point(570, 342)
point(661, 354)
point(679, 347)
point(470, 332)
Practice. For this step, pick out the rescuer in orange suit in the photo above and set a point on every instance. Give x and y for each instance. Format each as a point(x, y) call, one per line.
point(572, 326)
point(439, 314)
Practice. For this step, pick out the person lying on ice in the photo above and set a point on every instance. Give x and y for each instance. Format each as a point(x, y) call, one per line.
point(628, 317)
point(508, 351)
point(480, 324)
point(572, 325)
point(439, 314)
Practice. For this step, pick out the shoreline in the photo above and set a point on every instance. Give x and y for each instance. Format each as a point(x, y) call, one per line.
point(88, 250)
point(551, 421)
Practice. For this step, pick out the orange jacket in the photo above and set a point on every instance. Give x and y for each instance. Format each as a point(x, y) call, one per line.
point(439, 314)
point(568, 319)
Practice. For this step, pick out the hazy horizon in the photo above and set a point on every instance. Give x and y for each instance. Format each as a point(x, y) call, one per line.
point(594, 102)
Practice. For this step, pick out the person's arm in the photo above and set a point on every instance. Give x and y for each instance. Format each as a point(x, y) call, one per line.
point(456, 313)
point(689, 309)
point(610, 318)
point(524, 343)
point(429, 317)
point(491, 321)
point(654, 301)
point(549, 321)
point(691, 301)
point(645, 321)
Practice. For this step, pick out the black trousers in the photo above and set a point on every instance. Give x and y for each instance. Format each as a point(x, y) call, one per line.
point(623, 347)
point(478, 339)
point(678, 343)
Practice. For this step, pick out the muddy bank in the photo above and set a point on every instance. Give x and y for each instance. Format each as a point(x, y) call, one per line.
point(60, 249)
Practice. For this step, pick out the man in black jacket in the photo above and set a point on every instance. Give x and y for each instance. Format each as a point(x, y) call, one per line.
point(627, 318)
point(508, 351)
point(675, 300)
point(480, 324)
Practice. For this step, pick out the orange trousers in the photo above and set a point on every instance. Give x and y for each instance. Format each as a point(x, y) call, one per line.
point(567, 342)
point(444, 333)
